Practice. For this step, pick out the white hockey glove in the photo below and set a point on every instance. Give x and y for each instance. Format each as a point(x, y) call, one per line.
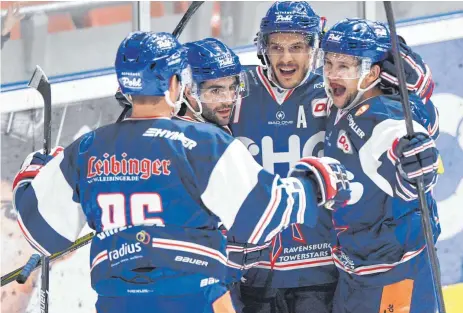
point(33, 164)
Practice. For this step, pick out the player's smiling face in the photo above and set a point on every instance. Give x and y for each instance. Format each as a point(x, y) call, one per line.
point(289, 55)
point(218, 98)
point(342, 75)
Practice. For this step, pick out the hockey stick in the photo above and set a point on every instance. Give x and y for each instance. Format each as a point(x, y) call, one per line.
point(177, 32)
point(30, 267)
point(425, 220)
point(23, 272)
point(39, 81)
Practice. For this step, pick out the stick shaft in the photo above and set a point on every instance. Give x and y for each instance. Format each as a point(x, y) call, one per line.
point(425, 213)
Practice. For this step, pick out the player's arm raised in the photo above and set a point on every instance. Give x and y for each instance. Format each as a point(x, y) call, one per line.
point(43, 188)
point(255, 205)
point(394, 161)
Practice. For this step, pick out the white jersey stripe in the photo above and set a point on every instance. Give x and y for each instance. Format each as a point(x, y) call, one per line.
point(234, 176)
point(377, 268)
point(54, 195)
point(29, 237)
point(292, 265)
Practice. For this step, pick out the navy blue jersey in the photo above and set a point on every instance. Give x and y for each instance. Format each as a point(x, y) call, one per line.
point(380, 227)
point(279, 128)
point(154, 190)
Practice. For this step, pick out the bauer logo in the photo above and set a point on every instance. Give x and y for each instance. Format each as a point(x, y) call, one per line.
point(126, 249)
point(134, 83)
point(189, 260)
point(284, 18)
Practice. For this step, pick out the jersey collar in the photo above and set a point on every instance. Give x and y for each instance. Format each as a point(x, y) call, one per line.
point(146, 118)
point(188, 119)
point(279, 95)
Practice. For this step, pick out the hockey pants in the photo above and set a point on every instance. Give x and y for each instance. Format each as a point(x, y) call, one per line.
point(412, 294)
point(310, 299)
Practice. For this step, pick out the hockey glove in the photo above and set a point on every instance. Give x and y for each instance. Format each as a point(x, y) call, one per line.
point(330, 178)
point(414, 157)
point(417, 73)
point(33, 164)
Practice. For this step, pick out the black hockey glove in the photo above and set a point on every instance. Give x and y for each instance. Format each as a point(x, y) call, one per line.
point(414, 157)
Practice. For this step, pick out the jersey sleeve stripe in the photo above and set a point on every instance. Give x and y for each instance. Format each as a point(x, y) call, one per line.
point(54, 195)
point(380, 141)
point(30, 239)
point(269, 212)
point(232, 179)
point(284, 220)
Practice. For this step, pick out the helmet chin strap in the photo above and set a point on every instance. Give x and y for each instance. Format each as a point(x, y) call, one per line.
point(177, 105)
point(360, 91)
point(197, 114)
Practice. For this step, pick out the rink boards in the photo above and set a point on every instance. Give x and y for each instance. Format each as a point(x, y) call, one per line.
point(84, 101)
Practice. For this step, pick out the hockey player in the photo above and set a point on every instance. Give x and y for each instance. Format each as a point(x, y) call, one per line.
point(282, 120)
point(153, 188)
point(379, 246)
point(218, 82)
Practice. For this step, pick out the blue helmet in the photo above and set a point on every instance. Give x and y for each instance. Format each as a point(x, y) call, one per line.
point(364, 42)
point(358, 37)
point(146, 61)
point(290, 16)
point(211, 59)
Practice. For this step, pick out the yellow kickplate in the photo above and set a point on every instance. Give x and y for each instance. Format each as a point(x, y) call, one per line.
point(453, 297)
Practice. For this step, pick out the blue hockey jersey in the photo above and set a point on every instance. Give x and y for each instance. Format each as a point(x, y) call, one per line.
point(379, 228)
point(154, 189)
point(279, 128)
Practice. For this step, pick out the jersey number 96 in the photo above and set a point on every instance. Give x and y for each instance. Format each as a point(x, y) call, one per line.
point(143, 206)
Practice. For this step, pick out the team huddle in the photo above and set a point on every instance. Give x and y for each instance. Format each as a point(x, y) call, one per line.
point(286, 187)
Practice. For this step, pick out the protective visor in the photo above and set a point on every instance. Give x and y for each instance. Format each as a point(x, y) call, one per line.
point(280, 43)
point(342, 66)
point(224, 89)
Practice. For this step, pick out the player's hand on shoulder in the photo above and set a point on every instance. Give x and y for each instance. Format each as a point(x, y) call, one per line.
point(415, 157)
point(330, 178)
point(32, 165)
point(417, 73)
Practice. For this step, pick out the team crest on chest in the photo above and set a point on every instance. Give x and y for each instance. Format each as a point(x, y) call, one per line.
point(344, 142)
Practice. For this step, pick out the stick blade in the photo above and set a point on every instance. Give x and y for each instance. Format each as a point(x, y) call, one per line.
point(37, 77)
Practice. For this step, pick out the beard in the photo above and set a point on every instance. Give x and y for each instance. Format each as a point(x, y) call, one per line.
point(211, 115)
